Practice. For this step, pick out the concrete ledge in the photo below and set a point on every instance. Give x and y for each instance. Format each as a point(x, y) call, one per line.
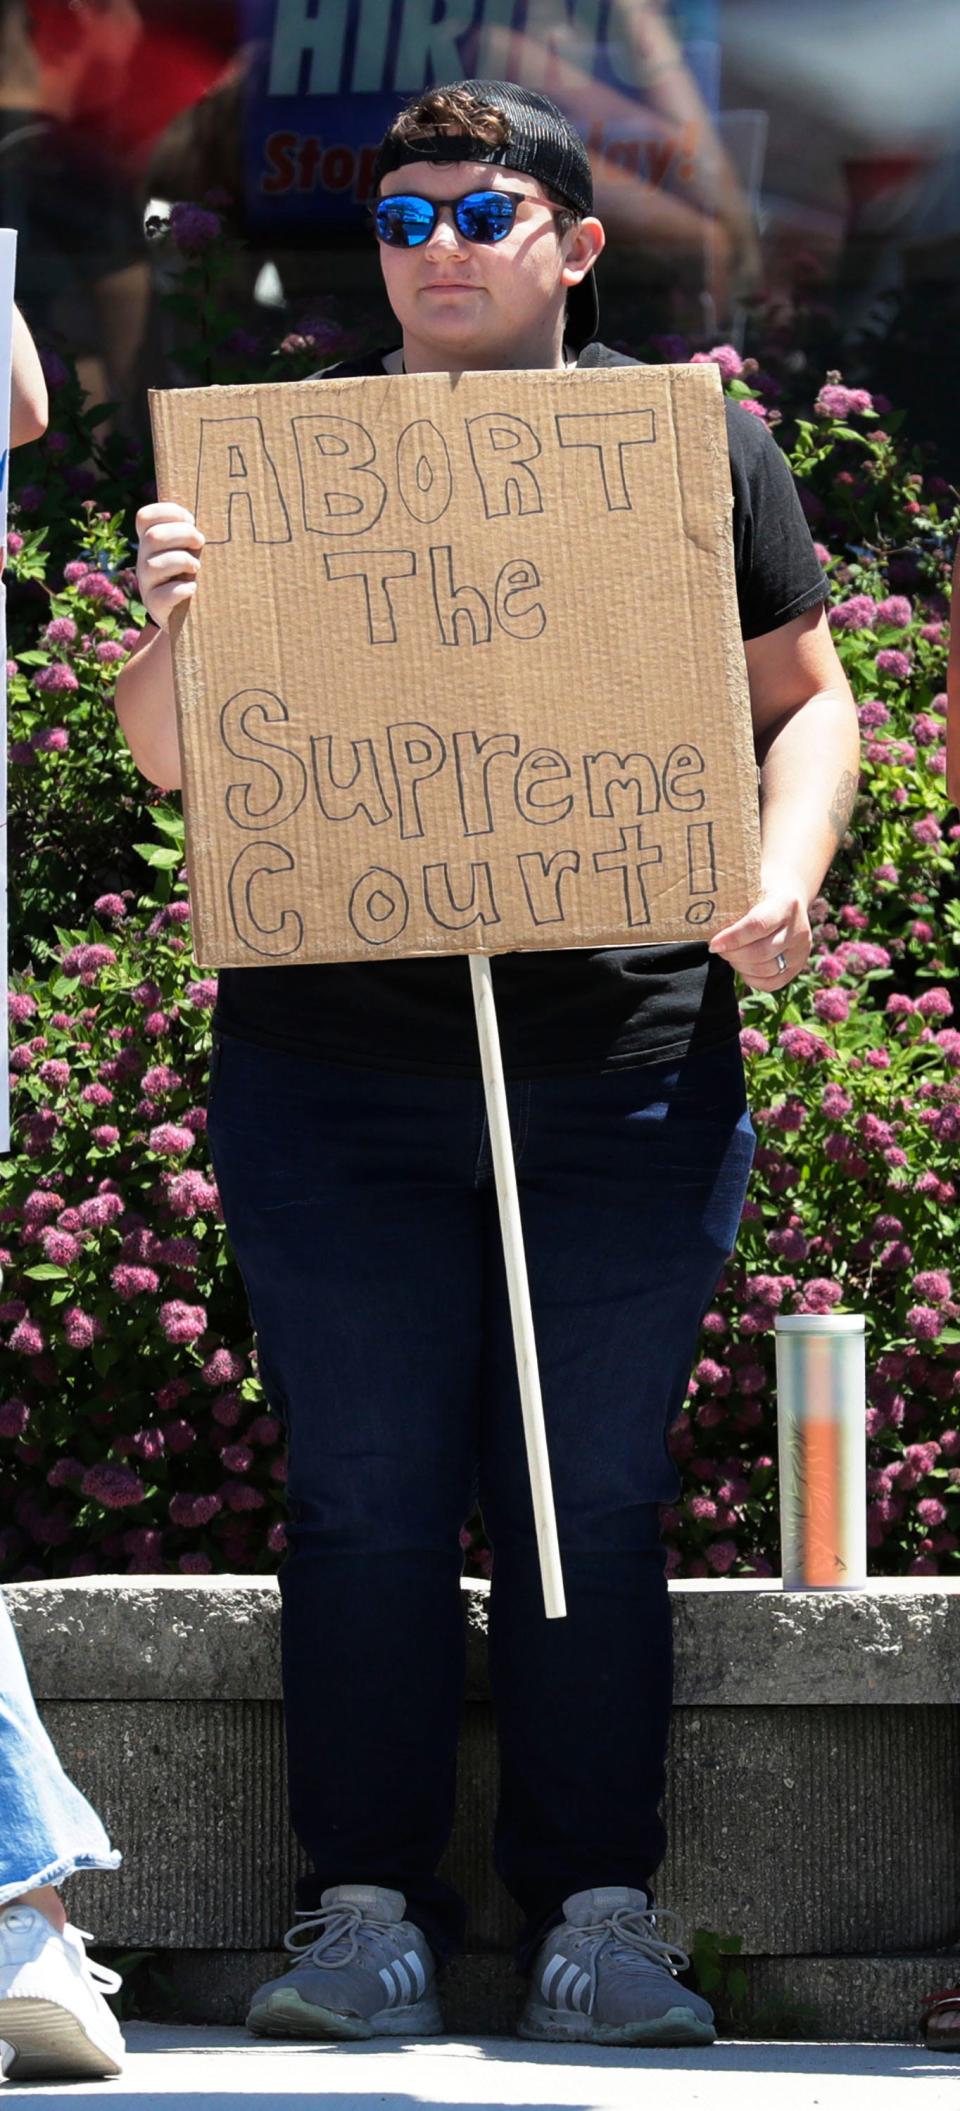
point(813, 1801)
point(737, 1644)
point(803, 1831)
point(863, 1999)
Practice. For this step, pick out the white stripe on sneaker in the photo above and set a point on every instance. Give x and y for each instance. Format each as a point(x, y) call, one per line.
point(389, 1983)
point(416, 1968)
point(563, 1986)
point(581, 1990)
point(403, 1980)
point(550, 1974)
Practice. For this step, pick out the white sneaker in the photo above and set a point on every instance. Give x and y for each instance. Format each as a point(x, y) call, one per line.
point(52, 2011)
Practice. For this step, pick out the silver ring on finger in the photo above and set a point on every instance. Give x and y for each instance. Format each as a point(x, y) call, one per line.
point(781, 964)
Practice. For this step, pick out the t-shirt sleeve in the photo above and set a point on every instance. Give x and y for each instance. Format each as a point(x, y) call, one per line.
point(779, 575)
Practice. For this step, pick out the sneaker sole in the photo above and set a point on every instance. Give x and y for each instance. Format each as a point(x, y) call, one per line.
point(679, 2026)
point(50, 2041)
point(286, 2015)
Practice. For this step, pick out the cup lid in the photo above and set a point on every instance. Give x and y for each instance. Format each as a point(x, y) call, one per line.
point(820, 1323)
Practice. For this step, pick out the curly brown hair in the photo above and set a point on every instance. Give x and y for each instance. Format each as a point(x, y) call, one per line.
point(450, 111)
point(455, 113)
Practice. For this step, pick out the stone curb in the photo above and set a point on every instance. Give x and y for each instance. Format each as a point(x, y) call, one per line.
point(866, 1999)
point(736, 1644)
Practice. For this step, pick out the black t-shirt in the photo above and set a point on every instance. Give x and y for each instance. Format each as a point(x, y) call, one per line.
point(562, 1011)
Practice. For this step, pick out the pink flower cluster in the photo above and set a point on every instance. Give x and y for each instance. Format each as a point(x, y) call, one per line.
point(858, 613)
point(56, 680)
point(86, 961)
point(726, 357)
point(836, 401)
point(94, 586)
point(192, 230)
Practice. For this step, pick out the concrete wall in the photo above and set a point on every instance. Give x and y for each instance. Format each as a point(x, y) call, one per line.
point(814, 1791)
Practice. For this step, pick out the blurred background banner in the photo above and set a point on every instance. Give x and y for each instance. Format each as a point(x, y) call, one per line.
point(325, 81)
point(764, 172)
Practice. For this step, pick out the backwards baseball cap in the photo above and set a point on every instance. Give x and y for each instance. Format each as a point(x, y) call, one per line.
point(541, 143)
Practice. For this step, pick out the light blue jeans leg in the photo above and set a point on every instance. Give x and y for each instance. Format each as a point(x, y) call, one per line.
point(47, 1828)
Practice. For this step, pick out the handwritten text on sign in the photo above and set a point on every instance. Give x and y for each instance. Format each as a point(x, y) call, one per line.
point(463, 672)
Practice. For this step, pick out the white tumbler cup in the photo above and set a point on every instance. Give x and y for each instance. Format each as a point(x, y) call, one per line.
point(821, 1435)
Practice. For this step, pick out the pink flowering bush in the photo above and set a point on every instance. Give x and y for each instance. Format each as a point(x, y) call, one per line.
point(199, 263)
point(853, 1205)
point(77, 806)
point(854, 1070)
point(133, 1430)
point(132, 1425)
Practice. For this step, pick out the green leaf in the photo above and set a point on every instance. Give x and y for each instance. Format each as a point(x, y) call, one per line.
point(99, 411)
point(46, 1272)
point(169, 822)
point(157, 855)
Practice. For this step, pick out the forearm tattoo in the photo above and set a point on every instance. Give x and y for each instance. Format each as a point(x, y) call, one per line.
point(842, 804)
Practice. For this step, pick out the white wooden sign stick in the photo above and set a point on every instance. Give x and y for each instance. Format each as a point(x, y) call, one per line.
point(505, 1174)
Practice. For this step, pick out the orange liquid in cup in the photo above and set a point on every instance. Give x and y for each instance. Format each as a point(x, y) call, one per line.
point(822, 1560)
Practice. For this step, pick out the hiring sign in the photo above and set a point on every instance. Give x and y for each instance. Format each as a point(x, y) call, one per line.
point(463, 672)
point(324, 78)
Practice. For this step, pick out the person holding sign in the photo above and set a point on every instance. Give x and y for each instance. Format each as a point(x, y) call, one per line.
point(349, 1139)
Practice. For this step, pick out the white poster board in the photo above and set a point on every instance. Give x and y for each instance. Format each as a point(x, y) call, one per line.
point(8, 262)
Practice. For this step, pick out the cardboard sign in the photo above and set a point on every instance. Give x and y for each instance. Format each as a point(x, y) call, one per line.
point(464, 671)
point(8, 265)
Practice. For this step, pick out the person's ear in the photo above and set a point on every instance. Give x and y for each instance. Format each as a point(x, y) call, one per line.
point(584, 242)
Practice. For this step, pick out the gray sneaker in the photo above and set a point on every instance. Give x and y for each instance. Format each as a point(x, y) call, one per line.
point(361, 1971)
point(606, 1976)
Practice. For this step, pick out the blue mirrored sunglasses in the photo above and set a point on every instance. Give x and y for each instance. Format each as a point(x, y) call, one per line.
point(406, 221)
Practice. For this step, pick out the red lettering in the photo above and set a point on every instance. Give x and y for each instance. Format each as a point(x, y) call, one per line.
point(624, 154)
point(310, 150)
point(277, 151)
point(338, 168)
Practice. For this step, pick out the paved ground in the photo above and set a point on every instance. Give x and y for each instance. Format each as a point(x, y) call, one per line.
point(213, 2069)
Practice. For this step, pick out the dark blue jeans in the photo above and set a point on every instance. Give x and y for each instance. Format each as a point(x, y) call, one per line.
point(362, 1211)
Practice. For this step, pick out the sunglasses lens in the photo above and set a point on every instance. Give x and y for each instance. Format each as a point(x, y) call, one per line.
point(404, 222)
point(486, 216)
